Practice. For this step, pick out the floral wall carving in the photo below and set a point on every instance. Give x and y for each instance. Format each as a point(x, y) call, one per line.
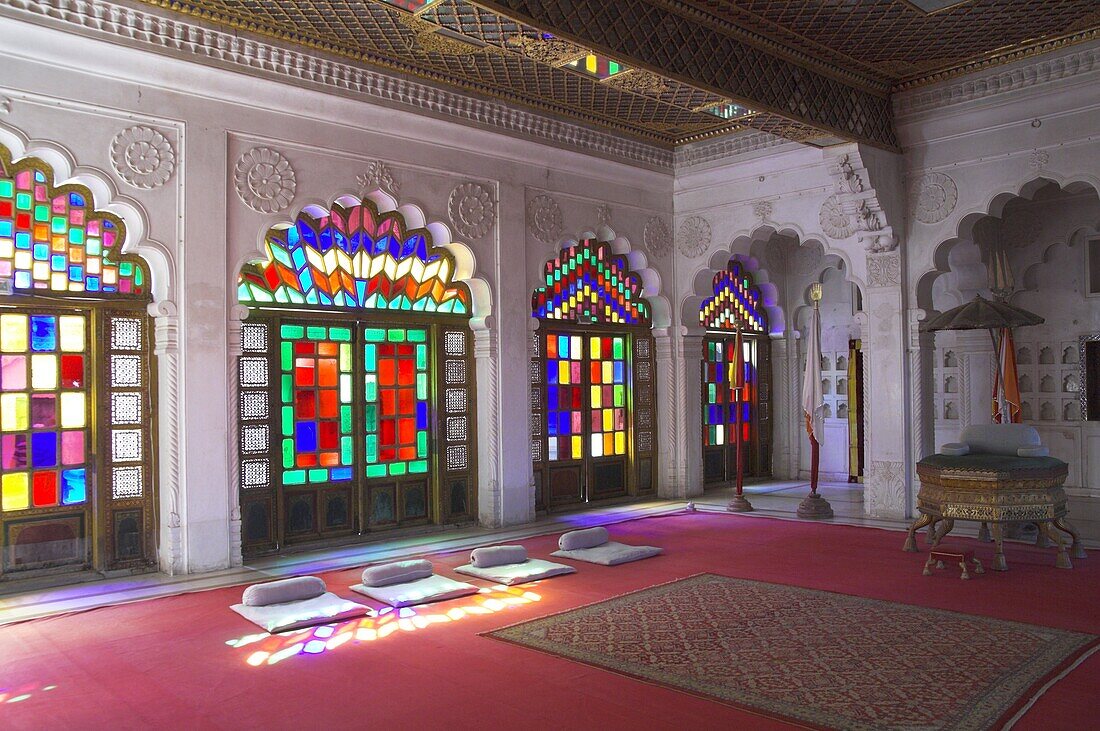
point(694, 236)
point(265, 180)
point(143, 157)
point(472, 209)
point(657, 237)
point(544, 218)
point(932, 197)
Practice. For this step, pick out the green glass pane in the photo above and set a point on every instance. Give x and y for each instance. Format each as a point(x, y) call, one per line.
point(422, 443)
point(617, 348)
point(126, 268)
point(139, 275)
point(23, 202)
point(422, 386)
point(294, 477)
point(288, 453)
point(370, 388)
point(421, 357)
point(372, 448)
point(42, 213)
point(345, 450)
point(418, 466)
point(292, 331)
point(620, 397)
point(370, 358)
point(341, 334)
point(395, 335)
point(398, 468)
point(287, 388)
point(288, 421)
point(711, 395)
point(286, 356)
point(318, 475)
point(57, 224)
point(374, 335)
point(345, 420)
point(376, 470)
point(370, 417)
point(316, 333)
point(345, 357)
point(6, 188)
point(417, 336)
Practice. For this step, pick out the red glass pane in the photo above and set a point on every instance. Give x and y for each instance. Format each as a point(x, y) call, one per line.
point(386, 372)
point(596, 371)
point(328, 348)
point(72, 371)
point(328, 374)
point(406, 453)
point(387, 432)
point(406, 350)
point(45, 489)
point(576, 397)
point(330, 404)
point(605, 348)
point(385, 349)
point(303, 348)
point(330, 459)
point(551, 346)
point(406, 372)
point(304, 405)
point(407, 430)
point(406, 401)
point(303, 372)
point(307, 460)
point(388, 403)
point(330, 435)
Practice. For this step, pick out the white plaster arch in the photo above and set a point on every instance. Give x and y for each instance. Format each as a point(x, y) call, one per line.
point(160, 258)
point(1026, 281)
point(661, 309)
point(415, 218)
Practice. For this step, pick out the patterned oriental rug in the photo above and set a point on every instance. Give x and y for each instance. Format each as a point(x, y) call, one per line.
point(816, 658)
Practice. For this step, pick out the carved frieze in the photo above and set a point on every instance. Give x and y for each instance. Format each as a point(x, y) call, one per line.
point(884, 269)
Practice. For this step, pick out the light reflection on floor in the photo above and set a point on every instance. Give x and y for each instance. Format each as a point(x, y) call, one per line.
point(268, 649)
point(22, 693)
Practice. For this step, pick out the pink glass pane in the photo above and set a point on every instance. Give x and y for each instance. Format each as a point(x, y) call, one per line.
point(13, 372)
point(72, 447)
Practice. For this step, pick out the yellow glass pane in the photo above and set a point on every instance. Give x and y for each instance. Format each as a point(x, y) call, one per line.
point(13, 411)
point(43, 371)
point(72, 333)
point(597, 445)
point(15, 491)
point(594, 348)
point(596, 397)
point(608, 419)
point(620, 442)
point(13, 333)
point(72, 410)
point(578, 447)
point(345, 357)
point(563, 371)
point(609, 444)
point(608, 372)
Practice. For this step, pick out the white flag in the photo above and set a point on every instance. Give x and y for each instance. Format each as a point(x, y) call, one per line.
point(813, 402)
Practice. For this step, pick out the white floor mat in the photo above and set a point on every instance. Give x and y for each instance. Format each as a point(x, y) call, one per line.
point(306, 613)
point(421, 591)
point(532, 569)
point(610, 553)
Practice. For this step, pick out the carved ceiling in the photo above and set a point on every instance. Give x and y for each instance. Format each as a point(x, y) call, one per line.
point(675, 71)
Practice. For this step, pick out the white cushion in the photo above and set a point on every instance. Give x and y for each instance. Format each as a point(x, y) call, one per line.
point(1000, 438)
point(420, 591)
point(532, 569)
point(587, 538)
point(398, 572)
point(283, 591)
point(302, 613)
point(497, 556)
point(955, 449)
point(1032, 452)
point(610, 553)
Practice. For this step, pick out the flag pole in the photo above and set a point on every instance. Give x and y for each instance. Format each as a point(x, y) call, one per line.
point(813, 505)
point(739, 503)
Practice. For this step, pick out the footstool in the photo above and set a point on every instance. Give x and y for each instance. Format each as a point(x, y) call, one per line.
point(954, 554)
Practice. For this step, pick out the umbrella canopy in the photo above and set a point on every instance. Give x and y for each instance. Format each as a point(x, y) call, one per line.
point(981, 314)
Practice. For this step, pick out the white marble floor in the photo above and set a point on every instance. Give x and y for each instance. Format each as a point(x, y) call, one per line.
point(771, 499)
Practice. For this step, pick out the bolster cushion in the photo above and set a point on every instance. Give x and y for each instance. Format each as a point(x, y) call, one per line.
point(1032, 452)
point(398, 572)
point(588, 538)
point(283, 591)
point(955, 449)
point(484, 558)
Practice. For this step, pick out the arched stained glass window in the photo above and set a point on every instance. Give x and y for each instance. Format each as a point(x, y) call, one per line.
point(592, 379)
point(356, 378)
point(76, 447)
point(736, 304)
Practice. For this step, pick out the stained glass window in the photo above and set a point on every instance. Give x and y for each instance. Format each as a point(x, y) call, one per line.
point(53, 240)
point(607, 397)
point(736, 300)
point(564, 396)
point(587, 283)
point(354, 257)
point(598, 66)
point(719, 415)
point(316, 394)
point(395, 366)
point(44, 408)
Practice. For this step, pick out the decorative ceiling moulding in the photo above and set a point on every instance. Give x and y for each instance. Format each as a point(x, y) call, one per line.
point(150, 31)
point(720, 149)
point(1040, 71)
point(679, 45)
point(143, 157)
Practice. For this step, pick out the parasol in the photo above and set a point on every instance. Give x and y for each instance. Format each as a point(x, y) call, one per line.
point(981, 314)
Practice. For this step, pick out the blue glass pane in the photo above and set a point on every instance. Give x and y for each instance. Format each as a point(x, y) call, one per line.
point(73, 486)
point(421, 415)
point(307, 436)
point(563, 422)
point(339, 474)
point(44, 449)
point(43, 332)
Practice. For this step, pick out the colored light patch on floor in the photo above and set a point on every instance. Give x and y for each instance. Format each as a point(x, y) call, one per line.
point(266, 649)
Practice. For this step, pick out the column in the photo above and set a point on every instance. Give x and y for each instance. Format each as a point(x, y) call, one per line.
point(169, 430)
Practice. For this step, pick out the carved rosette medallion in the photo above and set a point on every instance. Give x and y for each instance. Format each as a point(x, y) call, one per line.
point(603, 215)
point(544, 218)
point(379, 176)
point(834, 221)
point(265, 180)
point(932, 197)
point(657, 237)
point(142, 157)
point(762, 210)
point(693, 238)
point(472, 209)
point(1039, 159)
point(884, 270)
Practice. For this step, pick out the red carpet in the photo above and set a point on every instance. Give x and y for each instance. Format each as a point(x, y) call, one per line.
point(165, 663)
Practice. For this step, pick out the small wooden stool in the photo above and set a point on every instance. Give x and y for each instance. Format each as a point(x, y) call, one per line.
point(955, 554)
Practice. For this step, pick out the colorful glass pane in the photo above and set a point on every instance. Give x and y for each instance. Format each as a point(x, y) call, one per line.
point(607, 395)
point(564, 396)
point(54, 240)
point(316, 396)
point(721, 398)
point(354, 257)
point(397, 407)
point(598, 66)
point(587, 283)
point(736, 300)
point(43, 411)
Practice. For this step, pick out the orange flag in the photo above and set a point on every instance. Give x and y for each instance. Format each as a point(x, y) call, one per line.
point(1006, 384)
